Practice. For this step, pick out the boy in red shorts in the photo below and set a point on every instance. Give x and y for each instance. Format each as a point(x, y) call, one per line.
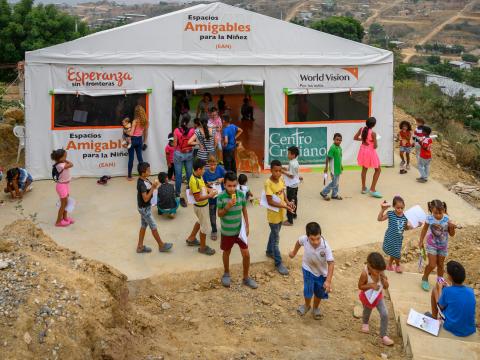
point(232, 205)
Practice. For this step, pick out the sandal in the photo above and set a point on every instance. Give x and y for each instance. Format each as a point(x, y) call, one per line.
point(365, 191)
point(206, 251)
point(398, 269)
point(316, 314)
point(390, 268)
point(338, 197)
point(425, 285)
point(166, 247)
point(144, 249)
point(376, 194)
point(325, 197)
point(302, 310)
point(213, 236)
point(193, 242)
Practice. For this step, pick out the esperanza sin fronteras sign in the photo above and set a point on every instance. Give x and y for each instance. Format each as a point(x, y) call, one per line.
point(311, 141)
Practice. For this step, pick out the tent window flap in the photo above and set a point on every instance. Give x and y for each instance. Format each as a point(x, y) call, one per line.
point(219, 84)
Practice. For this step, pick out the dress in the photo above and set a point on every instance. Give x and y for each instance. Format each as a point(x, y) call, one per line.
point(392, 242)
point(367, 155)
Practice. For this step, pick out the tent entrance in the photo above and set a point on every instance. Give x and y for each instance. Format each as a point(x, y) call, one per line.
point(245, 104)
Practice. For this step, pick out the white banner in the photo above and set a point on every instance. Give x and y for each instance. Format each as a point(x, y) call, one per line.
point(97, 77)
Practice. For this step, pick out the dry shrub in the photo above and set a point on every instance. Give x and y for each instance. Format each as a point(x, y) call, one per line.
point(467, 154)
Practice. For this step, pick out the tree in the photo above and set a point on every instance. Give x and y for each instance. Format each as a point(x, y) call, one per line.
point(470, 58)
point(342, 26)
point(376, 33)
point(433, 59)
point(418, 48)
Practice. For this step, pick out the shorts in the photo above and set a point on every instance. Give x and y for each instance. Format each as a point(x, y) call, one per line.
point(227, 242)
point(432, 250)
point(21, 186)
point(313, 285)
point(63, 190)
point(171, 211)
point(203, 218)
point(405, 149)
point(146, 218)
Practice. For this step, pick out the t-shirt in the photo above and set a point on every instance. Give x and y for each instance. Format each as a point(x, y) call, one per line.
point(293, 168)
point(143, 186)
point(315, 260)
point(335, 153)
point(277, 189)
point(244, 189)
point(217, 125)
point(230, 132)
point(209, 176)
point(166, 197)
point(418, 134)
point(207, 147)
point(197, 186)
point(437, 235)
point(169, 150)
point(182, 140)
point(64, 174)
point(426, 148)
point(405, 138)
point(458, 303)
point(23, 176)
point(232, 221)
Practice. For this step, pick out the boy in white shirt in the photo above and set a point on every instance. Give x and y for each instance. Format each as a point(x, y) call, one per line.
point(292, 190)
point(317, 268)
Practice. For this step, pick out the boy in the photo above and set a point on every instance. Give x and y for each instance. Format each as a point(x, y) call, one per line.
point(202, 194)
point(167, 203)
point(457, 302)
point(231, 133)
point(145, 191)
point(213, 175)
point(275, 185)
point(418, 136)
point(232, 205)
point(334, 155)
point(292, 190)
point(317, 268)
point(425, 155)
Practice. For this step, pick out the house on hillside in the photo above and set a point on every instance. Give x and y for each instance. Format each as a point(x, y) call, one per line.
point(460, 64)
point(451, 88)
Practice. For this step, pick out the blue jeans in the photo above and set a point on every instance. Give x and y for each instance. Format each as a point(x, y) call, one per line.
point(333, 186)
point(273, 240)
point(424, 167)
point(137, 143)
point(146, 218)
point(179, 161)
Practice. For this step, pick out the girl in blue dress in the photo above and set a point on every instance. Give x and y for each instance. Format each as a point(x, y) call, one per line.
point(397, 224)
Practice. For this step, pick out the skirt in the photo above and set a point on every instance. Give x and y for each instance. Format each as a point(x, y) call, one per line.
point(368, 158)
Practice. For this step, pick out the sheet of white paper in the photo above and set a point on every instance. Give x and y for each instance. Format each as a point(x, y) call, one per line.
point(190, 197)
point(264, 202)
point(372, 295)
point(154, 199)
point(416, 215)
point(243, 232)
point(70, 205)
point(217, 187)
point(423, 322)
point(378, 136)
point(291, 182)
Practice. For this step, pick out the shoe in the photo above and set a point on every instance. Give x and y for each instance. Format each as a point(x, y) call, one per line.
point(194, 242)
point(252, 284)
point(376, 194)
point(398, 269)
point(226, 280)
point(425, 285)
point(206, 251)
point(282, 269)
point(387, 341)
point(365, 191)
point(183, 203)
point(402, 163)
point(365, 329)
point(316, 314)
point(287, 223)
point(63, 223)
point(390, 268)
point(213, 236)
point(422, 180)
point(166, 247)
point(302, 309)
point(325, 197)
point(144, 249)
point(70, 221)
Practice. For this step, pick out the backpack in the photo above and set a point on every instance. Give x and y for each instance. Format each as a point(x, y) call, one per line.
point(183, 142)
point(55, 172)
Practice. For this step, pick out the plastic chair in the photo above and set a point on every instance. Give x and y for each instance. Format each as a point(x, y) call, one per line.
point(19, 132)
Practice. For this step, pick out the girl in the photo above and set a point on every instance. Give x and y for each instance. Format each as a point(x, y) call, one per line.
point(183, 155)
point(205, 137)
point(371, 283)
point(244, 188)
point(62, 165)
point(216, 123)
point(367, 155)
point(18, 182)
point(437, 228)
point(405, 138)
point(139, 126)
point(397, 224)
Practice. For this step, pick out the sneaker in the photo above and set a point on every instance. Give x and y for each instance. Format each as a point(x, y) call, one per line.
point(183, 203)
point(390, 268)
point(226, 280)
point(365, 329)
point(316, 314)
point(387, 341)
point(425, 285)
point(325, 197)
point(398, 269)
point(282, 269)
point(63, 223)
point(252, 284)
point(302, 309)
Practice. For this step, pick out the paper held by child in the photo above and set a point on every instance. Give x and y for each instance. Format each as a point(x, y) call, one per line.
point(70, 205)
point(243, 232)
point(416, 216)
point(372, 295)
point(218, 188)
point(264, 202)
point(423, 322)
point(291, 181)
point(190, 197)
point(154, 199)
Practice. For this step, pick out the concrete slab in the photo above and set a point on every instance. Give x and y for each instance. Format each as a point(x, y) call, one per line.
point(108, 222)
point(405, 293)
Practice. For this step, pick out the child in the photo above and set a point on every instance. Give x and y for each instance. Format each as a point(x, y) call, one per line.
point(371, 283)
point(145, 190)
point(18, 182)
point(335, 155)
point(317, 268)
point(61, 175)
point(213, 175)
point(367, 156)
point(437, 228)
point(126, 137)
point(231, 206)
point(418, 136)
point(397, 224)
point(169, 152)
point(215, 122)
point(221, 105)
point(243, 187)
point(275, 185)
point(202, 194)
point(405, 138)
point(456, 302)
point(167, 203)
point(292, 190)
point(230, 135)
point(196, 125)
point(425, 155)
point(247, 110)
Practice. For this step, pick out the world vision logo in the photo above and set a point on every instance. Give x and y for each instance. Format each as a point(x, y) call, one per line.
point(342, 75)
point(352, 70)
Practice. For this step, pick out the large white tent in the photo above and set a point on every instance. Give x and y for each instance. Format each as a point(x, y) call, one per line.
point(204, 46)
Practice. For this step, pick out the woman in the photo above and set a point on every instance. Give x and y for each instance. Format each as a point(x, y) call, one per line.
point(204, 106)
point(215, 122)
point(204, 136)
point(183, 155)
point(137, 131)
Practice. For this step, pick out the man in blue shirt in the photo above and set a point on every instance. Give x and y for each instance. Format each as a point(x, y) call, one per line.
point(455, 303)
point(231, 133)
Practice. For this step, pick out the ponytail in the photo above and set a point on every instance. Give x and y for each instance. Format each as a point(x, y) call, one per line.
point(369, 124)
point(184, 123)
point(437, 204)
point(204, 124)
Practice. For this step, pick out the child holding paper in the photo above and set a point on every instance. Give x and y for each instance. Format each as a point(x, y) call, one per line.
point(371, 284)
point(334, 155)
point(213, 176)
point(232, 205)
point(397, 224)
point(317, 268)
point(292, 188)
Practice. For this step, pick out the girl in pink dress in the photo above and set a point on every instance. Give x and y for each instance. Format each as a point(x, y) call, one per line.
point(367, 156)
point(62, 178)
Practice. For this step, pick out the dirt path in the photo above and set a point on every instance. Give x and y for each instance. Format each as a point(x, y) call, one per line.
point(378, 12)
point(294, 10)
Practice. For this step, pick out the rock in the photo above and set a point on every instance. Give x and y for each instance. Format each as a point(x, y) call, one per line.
point(357, 311)
point(196, 288)
point(266, 302)
point(166, 306)
point(4, 264)
point(27, 338)
point(475, 194)
point(384, 356)
point(348, 264)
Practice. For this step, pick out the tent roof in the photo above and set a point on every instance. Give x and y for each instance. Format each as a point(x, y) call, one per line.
point(165, 40)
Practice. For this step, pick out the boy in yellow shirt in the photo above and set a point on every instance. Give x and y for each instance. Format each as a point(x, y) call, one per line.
point(276, 197)
point(201, 193)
